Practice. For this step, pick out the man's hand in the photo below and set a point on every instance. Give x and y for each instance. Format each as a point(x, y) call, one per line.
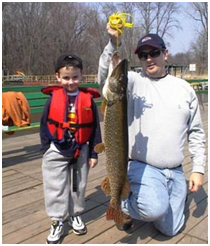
point(114, 34)
point(195, 182)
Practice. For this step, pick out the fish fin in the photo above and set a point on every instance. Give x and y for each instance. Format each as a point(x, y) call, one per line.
point(103, 106)
point(125, 190)
point(105, 186)
point(111, 213)
point(116, 214)
point(99, 148)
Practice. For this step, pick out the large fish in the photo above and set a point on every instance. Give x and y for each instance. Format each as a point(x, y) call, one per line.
point(115, 138)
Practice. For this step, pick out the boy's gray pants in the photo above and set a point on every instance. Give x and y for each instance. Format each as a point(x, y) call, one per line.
point(60, 200)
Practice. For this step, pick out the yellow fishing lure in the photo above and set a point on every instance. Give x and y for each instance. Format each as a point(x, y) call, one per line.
point(118, 21)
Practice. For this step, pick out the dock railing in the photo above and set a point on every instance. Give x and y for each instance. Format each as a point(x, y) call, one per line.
point(41, 79)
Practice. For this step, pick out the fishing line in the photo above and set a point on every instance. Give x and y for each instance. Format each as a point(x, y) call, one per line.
point(118, 21)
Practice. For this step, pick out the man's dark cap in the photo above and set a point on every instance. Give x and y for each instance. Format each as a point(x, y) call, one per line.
point(68, 60)
point(153, 40)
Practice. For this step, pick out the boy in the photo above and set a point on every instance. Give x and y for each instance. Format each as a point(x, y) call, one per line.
point(69, 130)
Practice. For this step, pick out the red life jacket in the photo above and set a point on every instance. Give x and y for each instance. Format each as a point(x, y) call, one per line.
point(57, 116)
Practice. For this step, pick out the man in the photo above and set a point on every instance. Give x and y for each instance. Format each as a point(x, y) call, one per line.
point(162, 111)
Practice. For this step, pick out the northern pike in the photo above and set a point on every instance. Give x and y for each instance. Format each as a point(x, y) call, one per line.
point(115, 139)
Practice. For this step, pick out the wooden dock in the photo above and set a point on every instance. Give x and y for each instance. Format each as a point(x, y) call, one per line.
point(24, 220)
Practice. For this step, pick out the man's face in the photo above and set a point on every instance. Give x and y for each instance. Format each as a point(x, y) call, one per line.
point(153, 61)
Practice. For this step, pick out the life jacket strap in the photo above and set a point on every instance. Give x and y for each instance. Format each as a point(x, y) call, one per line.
point(59, 124)
point(74, 162)
point(67, 124)
point(74, 177)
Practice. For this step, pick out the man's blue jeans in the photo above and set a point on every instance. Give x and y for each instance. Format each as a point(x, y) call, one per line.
point(156, 195)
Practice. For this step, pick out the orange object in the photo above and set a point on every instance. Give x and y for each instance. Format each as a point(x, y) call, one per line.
point(15, 109)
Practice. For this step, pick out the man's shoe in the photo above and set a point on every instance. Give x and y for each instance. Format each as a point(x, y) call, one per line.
point(128, 222)
point(56, 233)
point(78, 226)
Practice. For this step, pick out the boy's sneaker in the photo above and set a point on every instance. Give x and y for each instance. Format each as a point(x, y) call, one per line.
point(79, 227)
point(56, 233)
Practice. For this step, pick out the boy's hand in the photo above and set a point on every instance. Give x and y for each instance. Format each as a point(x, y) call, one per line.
point(93, 162)
point(195, 182)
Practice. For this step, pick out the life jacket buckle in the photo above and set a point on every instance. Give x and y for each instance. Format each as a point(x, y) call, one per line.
point(64, 125)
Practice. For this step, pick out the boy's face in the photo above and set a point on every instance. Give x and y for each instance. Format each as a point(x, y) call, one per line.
point(69, 77)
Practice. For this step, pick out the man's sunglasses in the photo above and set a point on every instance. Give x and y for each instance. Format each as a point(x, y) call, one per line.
point(144, 55)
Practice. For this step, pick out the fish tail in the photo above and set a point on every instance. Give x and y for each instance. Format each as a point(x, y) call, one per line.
point(105, 186)
point(116, 214)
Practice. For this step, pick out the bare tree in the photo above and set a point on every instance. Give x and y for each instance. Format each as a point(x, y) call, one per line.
point(158, 17)
point(34, 34)
point(199, 13)
point(26, 28)
point(39, 32)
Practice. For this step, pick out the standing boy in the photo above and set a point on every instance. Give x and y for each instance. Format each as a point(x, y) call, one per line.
point(69, 130)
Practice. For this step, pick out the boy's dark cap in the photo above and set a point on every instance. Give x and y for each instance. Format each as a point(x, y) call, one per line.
point(153, 40)
point(66, 59)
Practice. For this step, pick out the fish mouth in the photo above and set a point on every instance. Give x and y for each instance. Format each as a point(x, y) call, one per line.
point(118, 79)
point(116, 83)
point(121, 68)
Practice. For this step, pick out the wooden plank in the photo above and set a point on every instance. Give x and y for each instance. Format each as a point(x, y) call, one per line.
point(200, 231)
point(10, 144)
point(37, 102)
point(37, 110)
point(12, 177)
point(35, 95)
point(40, 238)
point(30, 169)
point(24, 89)
point(9, 173)
point(27, 158)
point(26, 232)
point(163, 239)
point(31, 126)
point(22, 198)
point(22, 211)
point(21, 187)
point(187, 239)
point(16, 182)
point(18, 224)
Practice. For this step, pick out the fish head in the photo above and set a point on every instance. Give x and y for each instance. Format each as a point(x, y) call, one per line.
point(117, 81)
